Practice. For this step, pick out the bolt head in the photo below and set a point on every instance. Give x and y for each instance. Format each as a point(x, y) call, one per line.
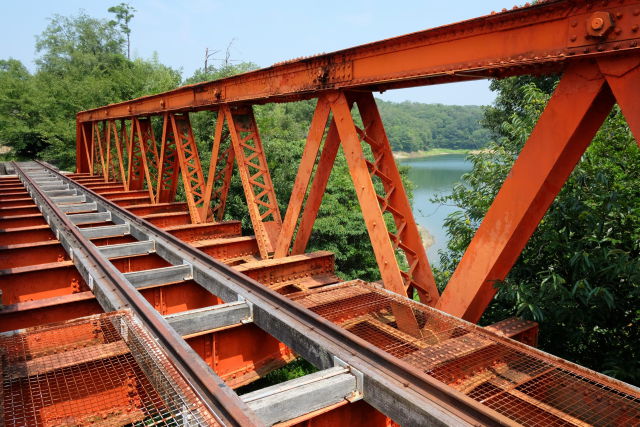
point(597, 23)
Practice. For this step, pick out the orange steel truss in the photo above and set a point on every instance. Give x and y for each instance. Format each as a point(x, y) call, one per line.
point(255, 176)
point(593, 44)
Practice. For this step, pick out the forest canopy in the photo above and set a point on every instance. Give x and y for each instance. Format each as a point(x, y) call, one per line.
point(82, 62)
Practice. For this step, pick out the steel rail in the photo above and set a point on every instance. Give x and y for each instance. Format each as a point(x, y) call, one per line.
point(222, 402)
point(540, 38)
point(394, 387)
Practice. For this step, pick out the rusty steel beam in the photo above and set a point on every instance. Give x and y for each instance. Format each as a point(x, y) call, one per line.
point(22, 221)
point(255, 176)
point(229, 249)
point(26, 209)
point(571, 119)
point(169, 219)
point(13, 201)
point(40, 281)
point(195, 232)
point(20, 255)
point(148, 209)
point(18, 236)
point(27, 314)
point(544, 37)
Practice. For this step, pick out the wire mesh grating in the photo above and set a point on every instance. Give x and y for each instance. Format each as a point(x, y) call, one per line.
point(524, 384)
point(99, 370)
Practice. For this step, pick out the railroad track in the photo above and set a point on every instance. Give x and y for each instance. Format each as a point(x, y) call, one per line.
point(427, 368)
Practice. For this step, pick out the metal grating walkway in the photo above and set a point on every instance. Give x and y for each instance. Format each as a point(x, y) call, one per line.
point(520, 382)
point(99, 370)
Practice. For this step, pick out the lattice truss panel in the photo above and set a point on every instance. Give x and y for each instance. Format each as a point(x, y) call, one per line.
point(192, 177)
point(168, 164)
point(220, 168)
point(98, 370)
point(406, 239)
point(256, 180)
point(520, 382)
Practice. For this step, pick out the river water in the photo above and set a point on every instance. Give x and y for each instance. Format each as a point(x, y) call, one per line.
point(432, 176)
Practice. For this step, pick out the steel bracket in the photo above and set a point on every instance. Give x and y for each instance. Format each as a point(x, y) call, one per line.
point(248, 319)
point(358, 394)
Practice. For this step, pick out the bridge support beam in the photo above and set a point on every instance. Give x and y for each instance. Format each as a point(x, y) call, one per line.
point(405, 240)
point(571, 119)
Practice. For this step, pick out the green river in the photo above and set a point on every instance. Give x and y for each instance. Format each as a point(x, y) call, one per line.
point(431, 176)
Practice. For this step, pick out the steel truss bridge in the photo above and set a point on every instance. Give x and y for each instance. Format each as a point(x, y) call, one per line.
point(121, 305)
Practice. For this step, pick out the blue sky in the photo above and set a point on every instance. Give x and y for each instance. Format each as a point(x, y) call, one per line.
point(263, 32)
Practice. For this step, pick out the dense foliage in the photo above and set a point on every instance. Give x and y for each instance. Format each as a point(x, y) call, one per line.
point(579, 275)
point(81, 65)
point(413, 126)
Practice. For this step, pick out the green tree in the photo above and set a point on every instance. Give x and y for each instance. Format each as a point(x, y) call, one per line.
point(579, 275)
point(23, 126)
point(124, 14)
point(81, 65)
point(413, 126)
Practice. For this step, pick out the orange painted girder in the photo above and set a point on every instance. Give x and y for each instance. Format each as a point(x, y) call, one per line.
point(15, 194)
point(543, 37)
point(195, 232)
point(27, 209)
point(148, 209)
point(139, 263)
point(22, 221)
point(575, 112)
point(13, 202)
point(235, 357)
point(141, 195)
point(18, 236)
point(40, 281)
point(31, 253)
point(228, 248)
point(168, 219)
point(130, 200)
point(47, 310)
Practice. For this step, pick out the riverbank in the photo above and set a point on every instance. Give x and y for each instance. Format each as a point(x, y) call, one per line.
point(422, 154)
point(402, 155)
